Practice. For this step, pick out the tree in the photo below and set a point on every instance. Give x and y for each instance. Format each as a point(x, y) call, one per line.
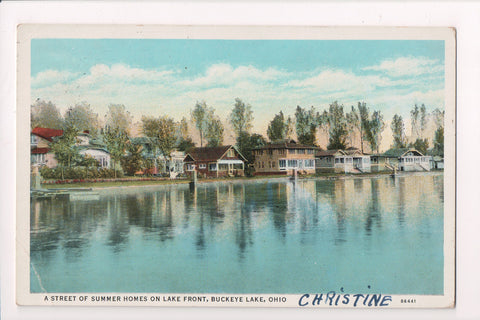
point(278, 127)
point(337, 126)
point(241, 117)
point(162, 131)
point(116, 143)
point(184, 142)
point(438, 144)
point(118, 117)
point(377, 125)
point(45, 115)
point(365, 133)
point(250, 142)
point(200, 119)
point(88, 162)
point(185, 145)
point(65, 149)
point(420, 145)
point(290, 128)
point(414, 113)
point(398, 131)
point(134, 160)
point(353, 124)
point(82, 117)
point(215, 130)
point(305, 125)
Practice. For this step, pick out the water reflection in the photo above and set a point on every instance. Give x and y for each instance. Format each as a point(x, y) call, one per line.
point(263, 224)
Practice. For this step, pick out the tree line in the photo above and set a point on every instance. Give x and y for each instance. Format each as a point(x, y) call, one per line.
point(166, 134)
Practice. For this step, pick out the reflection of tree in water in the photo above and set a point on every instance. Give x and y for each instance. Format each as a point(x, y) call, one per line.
point(373, 209)
point(400, 183)
point(118, 226)
point(62, 223)
point(278, 202)
point(243, 223)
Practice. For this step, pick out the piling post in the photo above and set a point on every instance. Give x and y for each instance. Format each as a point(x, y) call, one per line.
point(193, 183)
point(36, 179)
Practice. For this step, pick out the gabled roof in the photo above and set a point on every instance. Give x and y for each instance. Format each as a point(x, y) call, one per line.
point(400, 152)
point(323, 153)
point(47, 133)
point(210, 153)
point(291, 144)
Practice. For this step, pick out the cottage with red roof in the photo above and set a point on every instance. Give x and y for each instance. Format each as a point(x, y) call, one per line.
point(40, 139)
point(215, 161)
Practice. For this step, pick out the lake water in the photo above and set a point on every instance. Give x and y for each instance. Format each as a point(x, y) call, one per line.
point(375, 235)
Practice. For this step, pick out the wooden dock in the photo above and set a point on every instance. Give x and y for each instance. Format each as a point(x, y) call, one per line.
point(72, 194)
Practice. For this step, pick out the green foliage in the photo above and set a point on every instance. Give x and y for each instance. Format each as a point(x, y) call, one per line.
point(337, 127)
point(377, 125)
point(214, 132)
point(45, 115)
point(133, 161)
point(116, 143)
point(118, 117)
point(162, 131)
point(241, 117)
point(438, 141)
point(185, 144)
point(65, 150)
point(82, 118)
point(306, 125)
point(277, 129)
point(420, 145)
point(78, 173)
point(249, 142)
point(200, 119)
point(398, 131)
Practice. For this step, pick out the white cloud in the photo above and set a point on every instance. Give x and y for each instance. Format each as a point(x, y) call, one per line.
point(225, 74)
point(156, 92)
point(408, 66)
point(49, 77)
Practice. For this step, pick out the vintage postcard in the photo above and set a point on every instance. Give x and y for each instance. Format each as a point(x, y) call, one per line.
point(301, 167)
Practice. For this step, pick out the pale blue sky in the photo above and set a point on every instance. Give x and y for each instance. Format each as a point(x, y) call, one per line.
point(156, 77)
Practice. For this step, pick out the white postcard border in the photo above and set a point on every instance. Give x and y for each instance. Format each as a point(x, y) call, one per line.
point(27, 32)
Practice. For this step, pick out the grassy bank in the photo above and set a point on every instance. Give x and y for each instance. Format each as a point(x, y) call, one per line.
point(137, 182)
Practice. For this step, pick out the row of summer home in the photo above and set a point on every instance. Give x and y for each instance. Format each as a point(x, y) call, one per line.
point(280, 158)
point(284, 158)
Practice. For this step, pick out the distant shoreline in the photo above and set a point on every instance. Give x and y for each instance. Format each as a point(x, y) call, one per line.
point(154, 183)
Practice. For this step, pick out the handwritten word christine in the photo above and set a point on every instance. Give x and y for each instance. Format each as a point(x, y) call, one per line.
point(334, 299)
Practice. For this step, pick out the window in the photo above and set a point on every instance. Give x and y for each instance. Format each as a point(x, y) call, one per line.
point(282, 164)
point(33, 139)
point(301, 151)
point(309, 151)
point(292, 163)
point(291, 151)
point(230, 153)
point(273, 164)
point(212, 167)
point(190, 167)
point(260, 152)
point(269, 152)
point(309, 164)
point(281, 151)
point(202, 166)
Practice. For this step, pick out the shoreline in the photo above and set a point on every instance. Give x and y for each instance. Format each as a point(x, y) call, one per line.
point(156, 183)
